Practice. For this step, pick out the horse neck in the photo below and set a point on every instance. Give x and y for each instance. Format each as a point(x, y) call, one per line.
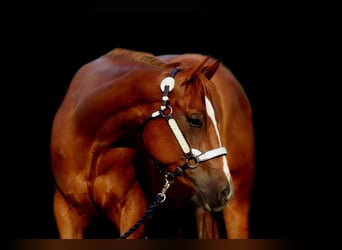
point(121, 106)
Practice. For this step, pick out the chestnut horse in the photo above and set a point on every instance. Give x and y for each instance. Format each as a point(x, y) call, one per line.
point(184, 125)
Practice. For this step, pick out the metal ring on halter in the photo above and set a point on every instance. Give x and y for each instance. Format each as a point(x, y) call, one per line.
point(168, 114)
point(192, 162)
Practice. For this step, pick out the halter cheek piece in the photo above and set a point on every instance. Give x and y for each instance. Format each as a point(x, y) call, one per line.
point(192, 156)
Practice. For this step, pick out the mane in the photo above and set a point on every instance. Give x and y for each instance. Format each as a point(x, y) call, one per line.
point(139, 57)
point(191, 78)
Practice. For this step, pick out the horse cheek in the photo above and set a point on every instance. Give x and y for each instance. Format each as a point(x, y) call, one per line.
point(160, 142)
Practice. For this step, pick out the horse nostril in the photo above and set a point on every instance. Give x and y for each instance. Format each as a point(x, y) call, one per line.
point(225, 195)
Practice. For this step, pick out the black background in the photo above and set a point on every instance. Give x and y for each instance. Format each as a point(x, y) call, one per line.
point(265, 48)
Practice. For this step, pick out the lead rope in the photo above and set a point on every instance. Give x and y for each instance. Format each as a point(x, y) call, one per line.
point(159, 198)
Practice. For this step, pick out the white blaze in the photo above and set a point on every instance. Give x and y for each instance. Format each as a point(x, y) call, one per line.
point(211, 114)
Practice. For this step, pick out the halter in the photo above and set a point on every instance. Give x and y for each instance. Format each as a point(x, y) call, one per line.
point(192, 156)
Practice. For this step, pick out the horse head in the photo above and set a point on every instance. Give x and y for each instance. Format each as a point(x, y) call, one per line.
point(183, 135)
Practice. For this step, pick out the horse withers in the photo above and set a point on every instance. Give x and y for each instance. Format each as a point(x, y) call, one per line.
point(181, 117)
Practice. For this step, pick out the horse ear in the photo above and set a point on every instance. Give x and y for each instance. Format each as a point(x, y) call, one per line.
point(210, 70)
point(195, 70)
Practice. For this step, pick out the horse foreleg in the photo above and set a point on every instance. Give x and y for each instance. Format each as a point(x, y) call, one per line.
point(117, 191)
point(70, 224)
point(236, 213)
point(207, 227)
point(126, 212)
point(134, 206)
point(236, 220)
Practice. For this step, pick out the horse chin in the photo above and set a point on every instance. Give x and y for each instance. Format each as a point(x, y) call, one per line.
point(200, 200)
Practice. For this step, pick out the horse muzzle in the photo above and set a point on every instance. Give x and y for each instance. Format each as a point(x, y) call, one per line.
point(213, 202)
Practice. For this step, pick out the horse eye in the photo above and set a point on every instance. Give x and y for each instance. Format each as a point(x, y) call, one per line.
point(195, 122)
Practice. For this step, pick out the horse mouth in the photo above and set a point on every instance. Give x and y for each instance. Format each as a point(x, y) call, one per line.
point(200, 200)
